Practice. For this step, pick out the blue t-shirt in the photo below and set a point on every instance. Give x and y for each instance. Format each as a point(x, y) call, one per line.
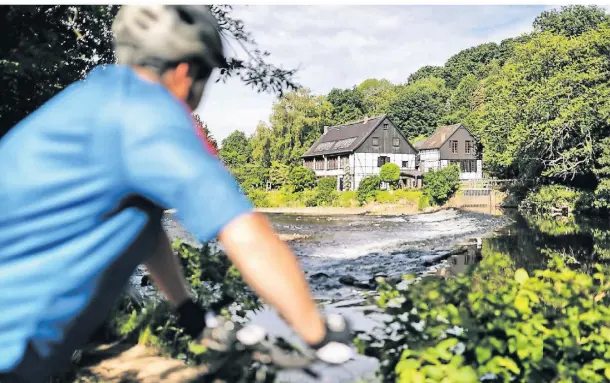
point(66, 166)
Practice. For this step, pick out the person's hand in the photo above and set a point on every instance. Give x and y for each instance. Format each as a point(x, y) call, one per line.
point(335, 348)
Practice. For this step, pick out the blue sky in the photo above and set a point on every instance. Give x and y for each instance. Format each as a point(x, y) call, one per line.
point(341, 46)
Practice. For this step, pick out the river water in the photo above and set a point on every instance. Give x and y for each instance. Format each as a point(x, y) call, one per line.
point(359, 247)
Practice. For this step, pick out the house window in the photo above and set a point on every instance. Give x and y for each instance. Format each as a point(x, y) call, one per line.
point(454, 146)
point(473, 166)
point(309, 164)
point(332, 164)
point(468, 147)
point(381, 160)
point(344, 162)
point(375, 141)
point(396, 142)
point(320, 164)
point(385, 126)
point(405, 164)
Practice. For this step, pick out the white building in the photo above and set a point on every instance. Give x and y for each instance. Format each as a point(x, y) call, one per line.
point(451, 144)
point(358, 149)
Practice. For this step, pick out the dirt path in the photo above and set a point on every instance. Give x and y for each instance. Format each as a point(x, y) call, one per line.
point(119, 363)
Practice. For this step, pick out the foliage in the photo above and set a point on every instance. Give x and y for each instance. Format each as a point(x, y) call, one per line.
point(423, 202)
point(206, 131)
point(348, 105)
point(426, 72)
point(441, 184)
point(325, 192)
point(47, 47)
point(469, 61)
point(302, 178)
point(390, 173)
point(571, 20)
point(376, 95)
point(297, 121)
point(496, 324)
point(551, 199)
point(235, 150)
point(418, 108)
point(278, 174)
point(367, 188)
point(212, 278)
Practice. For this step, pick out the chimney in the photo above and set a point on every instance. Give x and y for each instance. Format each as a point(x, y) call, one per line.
point(326, 129)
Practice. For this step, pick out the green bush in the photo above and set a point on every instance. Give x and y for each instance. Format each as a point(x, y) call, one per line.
point(423, 202)
point(496, 324)
point(258, 197)
point(325, 193)
point(411, 196)
point(346, 199)
point(302, 178)
point(385, 196)
point(551, 199)
point(367, 188)
point(441, 184)
point(390, 173)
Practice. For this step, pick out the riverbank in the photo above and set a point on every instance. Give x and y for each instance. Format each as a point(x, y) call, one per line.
point(380, 209)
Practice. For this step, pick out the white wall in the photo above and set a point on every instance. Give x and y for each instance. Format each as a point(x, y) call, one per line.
point(468, 175)
point(365, 164)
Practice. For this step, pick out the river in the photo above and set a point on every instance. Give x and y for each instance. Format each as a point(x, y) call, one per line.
point(359, 247)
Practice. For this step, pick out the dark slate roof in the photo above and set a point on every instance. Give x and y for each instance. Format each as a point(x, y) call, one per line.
point(344, 138)
point(438, 138)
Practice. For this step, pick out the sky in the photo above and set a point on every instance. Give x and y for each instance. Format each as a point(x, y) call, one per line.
point(341, 46)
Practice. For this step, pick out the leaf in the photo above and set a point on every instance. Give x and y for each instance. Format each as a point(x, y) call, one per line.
point(483, 354)
point(521, 276)
point(508, 364)
point(522, 304)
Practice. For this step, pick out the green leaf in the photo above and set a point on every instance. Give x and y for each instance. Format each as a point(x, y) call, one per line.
point(521, 276)
point(483, 354)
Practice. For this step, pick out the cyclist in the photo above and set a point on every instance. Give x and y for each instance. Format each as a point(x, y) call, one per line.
point(86, 178)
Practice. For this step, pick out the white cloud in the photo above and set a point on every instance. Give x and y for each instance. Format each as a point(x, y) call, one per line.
point(341, 46)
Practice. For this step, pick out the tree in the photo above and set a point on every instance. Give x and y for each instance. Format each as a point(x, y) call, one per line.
point(278, 174)
point(206, 132)
point(376, 95)
point(261, 145)
point(571, 20)
point(462, 100)
point(426, 72)
point(348, 105)
point(390, 173)
point(469, 61)
point(46, 48)
point(297, 121)
point(441, 184)
point(302, 178)
point(418, 108)
point(235, 150)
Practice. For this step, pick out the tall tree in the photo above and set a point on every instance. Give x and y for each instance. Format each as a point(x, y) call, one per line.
point(376, 95)
point(469, 61)
point(419, 108)
point(462, 100)
point(425, 72)
point(348, 105)
point(261, 145)
point(235, 151)
point(571, 20)
point(297, 120)
point(46, 47)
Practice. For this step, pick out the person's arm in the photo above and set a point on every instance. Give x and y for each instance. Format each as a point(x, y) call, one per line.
point(271, 269)
point(166, 161)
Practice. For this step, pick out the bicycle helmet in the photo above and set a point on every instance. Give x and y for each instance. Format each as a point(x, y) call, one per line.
point(162, 36)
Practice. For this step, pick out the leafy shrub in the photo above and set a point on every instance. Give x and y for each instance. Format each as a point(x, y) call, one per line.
point(385, 196)
point(302, 178)
point(325, 192)
point(346, 199)
point(367, 188)
point(390, 173)
point(278, 174)
point(259, 198)
point(423, 202)
point(411, 196)
point(441, 184)
point(495, 324)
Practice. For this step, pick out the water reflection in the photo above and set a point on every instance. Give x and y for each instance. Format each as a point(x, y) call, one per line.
point(531, 241)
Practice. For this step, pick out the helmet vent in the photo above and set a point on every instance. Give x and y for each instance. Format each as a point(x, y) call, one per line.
point(185, 16)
